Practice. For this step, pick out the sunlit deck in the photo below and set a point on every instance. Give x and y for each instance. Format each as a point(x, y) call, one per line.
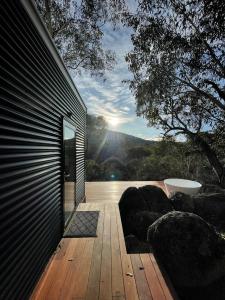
point(100, 268)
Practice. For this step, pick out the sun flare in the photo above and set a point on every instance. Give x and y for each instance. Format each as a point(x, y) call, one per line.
point(113, 121)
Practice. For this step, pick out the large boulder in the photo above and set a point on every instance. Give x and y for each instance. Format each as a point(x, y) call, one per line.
point(140, 207)
point(211, 188)
point(156, 199)
point(138, 222)
point(211, 207)
point(192, 252)
point(182, 202)
point(134, 245)
point(131, 201)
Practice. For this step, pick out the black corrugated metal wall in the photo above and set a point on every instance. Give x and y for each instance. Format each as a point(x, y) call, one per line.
point(34, 96)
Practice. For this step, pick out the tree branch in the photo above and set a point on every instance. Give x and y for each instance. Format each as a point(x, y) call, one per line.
point(203, 93)
point(209, 48)
point(216, 88)
point(48, 16)
point(77, 65)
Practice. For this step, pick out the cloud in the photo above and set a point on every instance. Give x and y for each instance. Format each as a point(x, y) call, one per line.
point(154, 138)
point(112, 98)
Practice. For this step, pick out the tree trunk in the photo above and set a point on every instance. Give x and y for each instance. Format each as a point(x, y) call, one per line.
point(48, 16)
point(211, 156)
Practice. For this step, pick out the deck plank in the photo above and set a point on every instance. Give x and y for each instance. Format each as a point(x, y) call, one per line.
point(161, 279)
point(77, 281)
point(50, 289)
point(152, 278)
point(93, 286)
point(106, 265)
point(105, 192)
point(144, 292)
point(118, 292)
point(129, 281)
point(100, 268)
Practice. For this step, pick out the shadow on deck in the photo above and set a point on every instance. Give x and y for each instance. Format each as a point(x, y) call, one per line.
point(100, 268)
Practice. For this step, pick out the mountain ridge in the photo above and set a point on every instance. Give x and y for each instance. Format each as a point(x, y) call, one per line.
point(103, 145)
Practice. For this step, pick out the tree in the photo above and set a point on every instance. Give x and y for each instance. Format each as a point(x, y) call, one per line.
point(94, 171)
point(76, 28)
point(96, 124)
point(138, 152)
point(178, 67)
point(96, 135)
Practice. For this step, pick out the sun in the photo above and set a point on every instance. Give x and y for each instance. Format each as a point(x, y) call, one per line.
point(113, 121)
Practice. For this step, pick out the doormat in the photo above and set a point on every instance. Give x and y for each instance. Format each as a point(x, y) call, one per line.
point(83, 224)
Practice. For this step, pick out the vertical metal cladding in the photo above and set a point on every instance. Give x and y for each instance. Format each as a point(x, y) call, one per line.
point(34, 96)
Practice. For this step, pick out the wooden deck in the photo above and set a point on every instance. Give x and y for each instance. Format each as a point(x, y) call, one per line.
point(105, 192)
point(100, 268)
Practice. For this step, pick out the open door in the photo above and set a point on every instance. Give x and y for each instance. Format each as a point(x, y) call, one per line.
point(69, 139)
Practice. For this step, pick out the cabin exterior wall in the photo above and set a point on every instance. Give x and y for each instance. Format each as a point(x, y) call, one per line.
point(36, 94)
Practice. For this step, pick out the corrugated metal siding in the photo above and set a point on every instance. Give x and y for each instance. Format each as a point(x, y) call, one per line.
point(34, 96)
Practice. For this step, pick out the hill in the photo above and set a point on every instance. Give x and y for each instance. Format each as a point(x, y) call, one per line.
point(112, 145)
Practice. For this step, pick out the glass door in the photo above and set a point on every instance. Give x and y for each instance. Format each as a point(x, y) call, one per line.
point(69, 140)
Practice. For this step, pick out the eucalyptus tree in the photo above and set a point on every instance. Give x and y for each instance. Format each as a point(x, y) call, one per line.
point(178, 67)
point(76, 28)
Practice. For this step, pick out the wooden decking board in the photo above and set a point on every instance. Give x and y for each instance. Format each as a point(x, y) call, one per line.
point(100, 268)
point(106, 266)
point(161, 279)
point(144, 292)
point(62, 249)
point(95, 272)
point(66, 269)
point(77, 283)
point(71, 258)
point(128, 278)
point(117, 274)
point(55, 274)
point(105, 192)
point(152, 278)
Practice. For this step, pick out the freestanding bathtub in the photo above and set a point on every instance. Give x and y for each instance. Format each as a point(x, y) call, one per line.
point(185, 186)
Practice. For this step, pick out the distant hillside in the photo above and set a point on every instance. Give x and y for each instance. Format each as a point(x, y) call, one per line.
point(112, 145)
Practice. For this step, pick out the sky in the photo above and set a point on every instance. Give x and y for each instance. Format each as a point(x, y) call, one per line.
point(112, 98)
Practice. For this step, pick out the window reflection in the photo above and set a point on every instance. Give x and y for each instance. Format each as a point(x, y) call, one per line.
point(69, 169)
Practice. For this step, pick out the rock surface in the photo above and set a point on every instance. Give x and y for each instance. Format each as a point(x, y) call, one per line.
point(134, 245)
point(211, 188)
point(131, 201)
point(210, 206)
point(192, 252)
point(156, 199)
point(140, 207)
point(137, 223)
point(182, 202)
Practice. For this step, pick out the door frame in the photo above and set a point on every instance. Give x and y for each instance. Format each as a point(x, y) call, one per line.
point(69, 123)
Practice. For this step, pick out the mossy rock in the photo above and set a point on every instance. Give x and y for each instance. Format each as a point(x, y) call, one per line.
point(190, 249)
point(211, 207)
point(183, 202)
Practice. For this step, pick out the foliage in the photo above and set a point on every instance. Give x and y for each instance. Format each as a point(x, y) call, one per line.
point(76, 28)
point(104, 144)
point(94, 170)
point(147, 161)
point(96, 124)
point(178, 67)
point(138, 152)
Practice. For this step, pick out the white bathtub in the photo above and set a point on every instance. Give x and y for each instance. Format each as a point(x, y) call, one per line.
point(185, 186)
